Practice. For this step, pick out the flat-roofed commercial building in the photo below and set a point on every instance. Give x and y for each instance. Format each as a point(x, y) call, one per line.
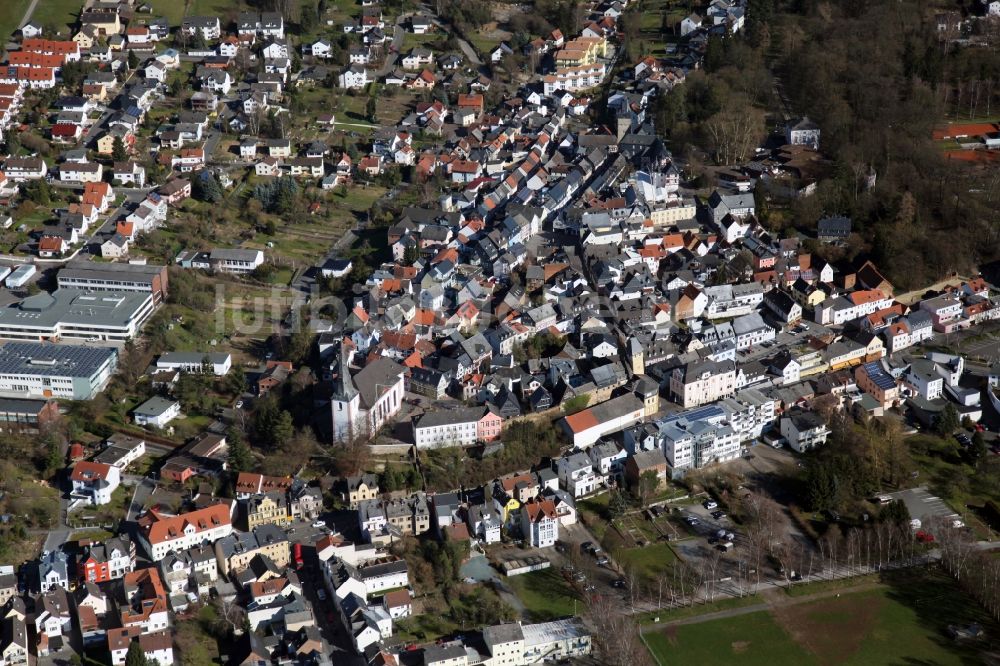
point(115, 277)
point(32, 370)
point(77, 314)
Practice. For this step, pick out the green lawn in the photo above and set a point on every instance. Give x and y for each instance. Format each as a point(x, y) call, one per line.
point(901, 623)
point(649, 560)
point(172, 10)
point(545, 594)
point(60, 14)
point(214, 7)
point(750, 639)
point(13, 12)
point(424, 627)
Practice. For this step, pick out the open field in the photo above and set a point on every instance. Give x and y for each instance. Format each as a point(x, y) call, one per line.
point(751, 639)
point(649, 560)
point(902, 622)
point(60, 14)
point(13, 11)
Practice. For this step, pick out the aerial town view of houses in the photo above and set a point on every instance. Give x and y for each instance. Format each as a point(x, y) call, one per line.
point(495, 333)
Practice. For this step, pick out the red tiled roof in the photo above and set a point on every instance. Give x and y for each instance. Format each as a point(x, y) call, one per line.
point(87, 470)
point(162, 529)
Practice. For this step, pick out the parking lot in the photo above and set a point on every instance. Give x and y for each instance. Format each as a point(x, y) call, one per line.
point(923, 506)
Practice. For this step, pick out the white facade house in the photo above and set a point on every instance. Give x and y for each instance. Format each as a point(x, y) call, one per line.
point(218, 364)
point(698, 438)
point(236, 261)
point(733, 300)
point(163, 534)
point(925, 379)
point(484, 523)
point(156, 412)
point(539, 523)
point(94, 482)
point(703, 382)
point(577, 475)
point(354, 77)
point(751, 330)
point(803, 430)
point(586, 427)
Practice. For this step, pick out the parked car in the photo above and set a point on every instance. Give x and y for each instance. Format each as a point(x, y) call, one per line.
point(718, 515)
point(602, 561)
point(692, 521)
point(710, 504)
point(586, 546)
point(321, 594)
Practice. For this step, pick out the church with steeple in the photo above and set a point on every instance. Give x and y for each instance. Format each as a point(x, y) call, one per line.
point(365, 402)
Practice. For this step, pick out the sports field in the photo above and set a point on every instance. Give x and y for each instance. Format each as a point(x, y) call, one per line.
point(902, 623)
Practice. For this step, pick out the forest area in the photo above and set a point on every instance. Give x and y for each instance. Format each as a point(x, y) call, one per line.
point(877, 77)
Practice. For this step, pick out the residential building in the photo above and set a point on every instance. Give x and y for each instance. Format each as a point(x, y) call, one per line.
point(577, 475)
point(107, 561)
point(264, 509)
point(236, 551)
point(361, 488)
point(876, 382)
point(121, 451)
point(161, 534)
point(702, 382)
point(156, 412)
point(803, 430)
point(94, 482)
point(539, 523)
point(456, 427)
point(50, 571)
point(157, 647)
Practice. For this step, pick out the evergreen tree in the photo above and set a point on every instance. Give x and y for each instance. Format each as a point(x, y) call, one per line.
point(118, 152)
point(240, 456)
point(822, 486)
point(283, 429)
point(133, 60)
point(236, 380)
point(207, 188)
point(53, 456)
point(135, 656)
point(947, 421)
